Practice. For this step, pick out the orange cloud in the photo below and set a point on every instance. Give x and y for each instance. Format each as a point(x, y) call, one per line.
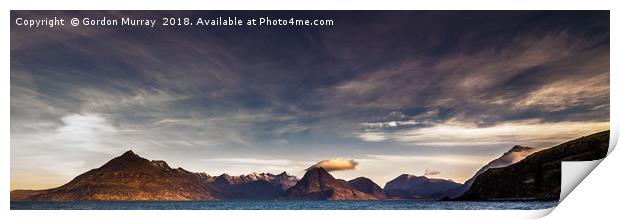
point(335, 164)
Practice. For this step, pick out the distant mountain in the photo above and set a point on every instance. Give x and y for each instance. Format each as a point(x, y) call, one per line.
point(256, 189)
point(252, 186)
point(537, 177)
point(515, 154)
point(131, 177)
point(408, 186)
point(318, 184)
point(282, 180)
point(367, 186)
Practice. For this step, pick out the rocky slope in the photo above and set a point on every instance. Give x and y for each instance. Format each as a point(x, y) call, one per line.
point(408, 186)
point(318, 184)
point(538, 176)
point(367, 186)
point(514, 155)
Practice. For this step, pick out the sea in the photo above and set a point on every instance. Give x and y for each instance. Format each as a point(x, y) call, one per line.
point(284, 205)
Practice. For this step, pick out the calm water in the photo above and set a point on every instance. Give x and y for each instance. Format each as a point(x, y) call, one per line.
point(284, 204)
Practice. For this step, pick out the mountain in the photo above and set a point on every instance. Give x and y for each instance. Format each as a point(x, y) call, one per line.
point(367, 186)
point(252, 186)
point(537, 177)
point(408, 186)
point(131, 177)
point(128, 177)
point(515, 154)
point(226, 187)
point(318, 184)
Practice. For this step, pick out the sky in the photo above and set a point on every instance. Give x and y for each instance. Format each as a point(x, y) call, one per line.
point(436, 93)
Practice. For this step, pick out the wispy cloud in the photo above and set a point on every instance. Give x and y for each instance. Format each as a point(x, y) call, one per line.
point(83, 131)
point(454, 133)
point(388, 124)
point(566, 94)
point(372, 136)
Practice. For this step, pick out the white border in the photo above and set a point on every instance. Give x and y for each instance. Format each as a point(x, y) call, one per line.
point(603, 174)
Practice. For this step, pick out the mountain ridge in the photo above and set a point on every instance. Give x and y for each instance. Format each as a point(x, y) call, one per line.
point(130, 177)
point(513, 155)
point(521, 173)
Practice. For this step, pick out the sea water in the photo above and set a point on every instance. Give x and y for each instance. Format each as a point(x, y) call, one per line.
point(284, 205)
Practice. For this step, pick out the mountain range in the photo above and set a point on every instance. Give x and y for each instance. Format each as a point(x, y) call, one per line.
point(131, 177)
point(522, 173)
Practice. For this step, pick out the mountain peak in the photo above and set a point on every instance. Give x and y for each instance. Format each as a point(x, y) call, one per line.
point(512, 156)
point(317, 183)
point(410, 186)
point(127, 161)
point(361, 178)
point(367, 186)
point(162, 164)
point(317, 170)
point(407, 176)
point(519, 148)
point(319, 173)
point(129, 153)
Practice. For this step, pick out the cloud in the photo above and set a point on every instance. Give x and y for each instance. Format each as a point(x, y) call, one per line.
point(84, 125)
point(431, 172)
point(335, 164)
point(455, 133)
point(389, 124)
point(565, 94)
point(82, 132)
point(531, 75)
point(372, 136)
